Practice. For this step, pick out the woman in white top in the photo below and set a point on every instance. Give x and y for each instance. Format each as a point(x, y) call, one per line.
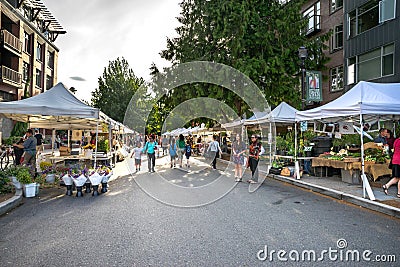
point(215, 151)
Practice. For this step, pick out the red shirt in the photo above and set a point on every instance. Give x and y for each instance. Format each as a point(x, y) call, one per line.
point(396, 154)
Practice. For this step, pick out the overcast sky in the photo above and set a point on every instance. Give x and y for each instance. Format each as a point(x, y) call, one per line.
point(99, 31)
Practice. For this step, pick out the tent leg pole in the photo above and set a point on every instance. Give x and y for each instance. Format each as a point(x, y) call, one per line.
point(53, 140)
point(366, 185)
point(95, 150)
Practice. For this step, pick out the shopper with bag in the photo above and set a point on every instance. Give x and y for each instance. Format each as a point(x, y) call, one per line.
point(255, 151)
point(395, 162)
point(150, 149)
point(215, 150)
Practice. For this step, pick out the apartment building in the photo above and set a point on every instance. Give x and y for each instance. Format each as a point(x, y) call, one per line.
point(372, 41)
point(28, 56)
point(364, 42)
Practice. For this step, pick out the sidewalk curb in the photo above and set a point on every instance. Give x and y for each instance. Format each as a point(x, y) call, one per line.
point(11, 203)
point(363, 202)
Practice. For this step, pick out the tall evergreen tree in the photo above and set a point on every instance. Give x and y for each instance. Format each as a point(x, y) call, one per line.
point(260, 38)
point(116, 88)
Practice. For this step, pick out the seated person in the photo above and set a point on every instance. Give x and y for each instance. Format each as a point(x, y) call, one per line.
point(382, 136)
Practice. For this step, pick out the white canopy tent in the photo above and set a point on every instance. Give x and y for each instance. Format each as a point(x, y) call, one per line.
point(283, 113)
point(365, 101)
point(57, 108)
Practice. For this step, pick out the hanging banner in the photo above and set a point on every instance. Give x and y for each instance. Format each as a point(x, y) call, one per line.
point(314, 86)
point(76, 135)
point(303, 126)
point(346, 128)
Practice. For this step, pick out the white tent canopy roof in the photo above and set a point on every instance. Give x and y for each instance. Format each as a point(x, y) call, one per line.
point(55, 108)
point(372, 100)
point(283, 113)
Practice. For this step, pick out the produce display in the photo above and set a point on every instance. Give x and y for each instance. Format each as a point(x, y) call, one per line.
point(371, 154)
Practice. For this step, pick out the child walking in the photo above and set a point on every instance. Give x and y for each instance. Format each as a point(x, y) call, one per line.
point(137, 152)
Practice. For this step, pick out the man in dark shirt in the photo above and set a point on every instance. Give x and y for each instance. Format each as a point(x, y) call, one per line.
point(29, 147)
point(382, 136)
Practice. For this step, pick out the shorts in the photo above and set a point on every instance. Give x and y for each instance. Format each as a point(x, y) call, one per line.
point(138, 161)
point(188, 155)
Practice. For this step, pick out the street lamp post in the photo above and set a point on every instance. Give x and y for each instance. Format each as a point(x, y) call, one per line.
point(303, 53)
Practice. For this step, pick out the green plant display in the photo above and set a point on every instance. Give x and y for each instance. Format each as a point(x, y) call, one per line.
point(102, 146)
point(5, 186)
point(24, 176)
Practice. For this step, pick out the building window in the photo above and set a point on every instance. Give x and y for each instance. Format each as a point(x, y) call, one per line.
point(370, 15)
point(336, 4)
point(337, 38)
point(25, 72)
point(387, 10)
point(371, 65)
point(336, 77)
point(49, 82)
point(27, 43)
point(38, 78)
point(39, 52)
point(50, 60)
point(313, 16)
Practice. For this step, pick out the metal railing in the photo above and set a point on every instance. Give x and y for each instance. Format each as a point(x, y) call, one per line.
point(10, 75)
point(12, 41)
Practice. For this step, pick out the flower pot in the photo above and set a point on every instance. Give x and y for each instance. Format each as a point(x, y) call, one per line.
point(50, 178)
point(29, 190)
point(104, 187)
point(15, 182)
point(95, 190)
point(69, 190)
point(79, 191)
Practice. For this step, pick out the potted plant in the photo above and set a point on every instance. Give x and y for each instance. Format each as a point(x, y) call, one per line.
point(25, 178)
point(12, 173)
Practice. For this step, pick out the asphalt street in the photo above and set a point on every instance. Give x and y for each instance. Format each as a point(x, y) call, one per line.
point(143, 221)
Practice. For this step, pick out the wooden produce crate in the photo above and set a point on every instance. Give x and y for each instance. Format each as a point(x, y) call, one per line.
point(65, 151)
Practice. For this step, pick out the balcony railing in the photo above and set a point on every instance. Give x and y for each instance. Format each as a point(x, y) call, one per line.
point(10, 76)
point(11, 41)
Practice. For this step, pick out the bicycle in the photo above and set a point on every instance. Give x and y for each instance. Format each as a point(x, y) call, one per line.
point(6, 157)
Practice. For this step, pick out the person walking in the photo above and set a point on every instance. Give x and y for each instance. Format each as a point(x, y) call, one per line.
point(181, 149)
point(215, 150)
point(173, 152)
point(395, 169)
point(188, 153)
point(238, 150)
point(255, 152)
point(39, 141)
point(137, 153)
point(150, 149)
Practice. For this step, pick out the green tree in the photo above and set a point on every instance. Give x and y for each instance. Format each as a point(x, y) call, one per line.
point(260, 38)
point(116, 88)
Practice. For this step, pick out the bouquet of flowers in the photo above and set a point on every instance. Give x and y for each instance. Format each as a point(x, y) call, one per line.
point(105, 173)
point(95, 178)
